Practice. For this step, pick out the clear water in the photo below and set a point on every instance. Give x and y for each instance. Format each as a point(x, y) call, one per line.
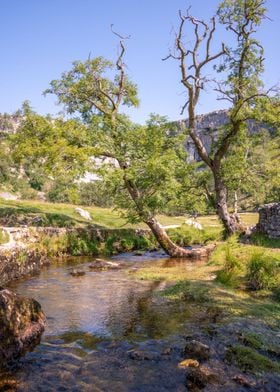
point(102, 313)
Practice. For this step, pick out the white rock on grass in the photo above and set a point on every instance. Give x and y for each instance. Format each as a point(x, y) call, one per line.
point(84, 214)
point(193, 223)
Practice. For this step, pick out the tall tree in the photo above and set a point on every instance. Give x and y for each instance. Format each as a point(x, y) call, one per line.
point(242, 87)
point(141, 158)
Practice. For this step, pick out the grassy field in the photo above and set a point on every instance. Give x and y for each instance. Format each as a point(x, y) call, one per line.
point(38, 213)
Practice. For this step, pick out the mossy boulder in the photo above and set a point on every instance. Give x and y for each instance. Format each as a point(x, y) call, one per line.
point(22, 323)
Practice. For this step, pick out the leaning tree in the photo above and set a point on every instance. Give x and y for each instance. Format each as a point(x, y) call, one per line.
point(242, 87)
point(140, 160)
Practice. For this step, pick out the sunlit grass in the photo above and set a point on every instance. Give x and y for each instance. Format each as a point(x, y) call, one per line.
point(59, 214)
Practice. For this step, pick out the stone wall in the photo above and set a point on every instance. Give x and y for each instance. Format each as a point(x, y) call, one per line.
point(269, 220)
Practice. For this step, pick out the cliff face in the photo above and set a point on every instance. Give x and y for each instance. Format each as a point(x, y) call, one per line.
point(208, 126)
point(9, 123)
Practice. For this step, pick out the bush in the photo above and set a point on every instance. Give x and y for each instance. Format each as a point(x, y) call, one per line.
point(187, 235)
point(126, 242)
point(262, 272)
point(82, 245)
point(95, 193)
point(232, 267)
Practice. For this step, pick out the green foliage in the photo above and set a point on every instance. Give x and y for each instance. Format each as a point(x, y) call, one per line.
point(248, 360)
point(52, 245)
point(186, 235)
point(262, 240)
point(81, 244)
point(187, 291)
point(95, 194)
point(252, 340)
point(230, 273)
point(126, 242)
point(50, 150)
point(244, 63)
point(63, 191)
point(262, 272)
point(88, 86)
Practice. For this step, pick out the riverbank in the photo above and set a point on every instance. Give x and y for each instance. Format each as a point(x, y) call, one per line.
point(154, 324)
point(27, 249)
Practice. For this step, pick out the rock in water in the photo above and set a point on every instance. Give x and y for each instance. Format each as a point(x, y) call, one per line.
point(84, 214)
point(22, 323)
point(76, 272)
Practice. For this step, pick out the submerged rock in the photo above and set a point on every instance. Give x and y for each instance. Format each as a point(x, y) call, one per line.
point(76, 272)
point(100, 264)
point(197, 350)
point(21, 325)
point(199, 377)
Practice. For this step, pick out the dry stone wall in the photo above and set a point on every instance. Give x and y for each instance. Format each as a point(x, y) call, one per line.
point(269, 220)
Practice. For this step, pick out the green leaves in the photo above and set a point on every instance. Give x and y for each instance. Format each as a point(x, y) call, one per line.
point(93, 86)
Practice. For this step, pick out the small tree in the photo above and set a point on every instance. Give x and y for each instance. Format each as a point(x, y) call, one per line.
point(142, 160)
point(243, 64)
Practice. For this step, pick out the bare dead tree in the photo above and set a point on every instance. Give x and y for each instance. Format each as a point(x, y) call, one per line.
point(193, 62)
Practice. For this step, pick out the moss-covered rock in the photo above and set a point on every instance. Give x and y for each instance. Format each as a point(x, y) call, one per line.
point(21, 325)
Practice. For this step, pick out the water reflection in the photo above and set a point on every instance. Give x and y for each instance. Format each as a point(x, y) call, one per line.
point(99, 306)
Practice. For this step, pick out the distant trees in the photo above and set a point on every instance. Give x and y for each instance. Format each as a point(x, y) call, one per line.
point(242, 87)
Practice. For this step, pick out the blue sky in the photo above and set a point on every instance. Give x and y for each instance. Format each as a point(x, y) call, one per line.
point(40, 39)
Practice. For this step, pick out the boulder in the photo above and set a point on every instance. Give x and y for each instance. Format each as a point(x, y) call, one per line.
point(83, 213)
point(22, 323)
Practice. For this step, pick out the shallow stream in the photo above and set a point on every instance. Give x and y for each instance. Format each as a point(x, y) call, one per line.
point(106, 330)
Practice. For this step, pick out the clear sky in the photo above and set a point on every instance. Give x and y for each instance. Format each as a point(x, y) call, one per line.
point(40, 39)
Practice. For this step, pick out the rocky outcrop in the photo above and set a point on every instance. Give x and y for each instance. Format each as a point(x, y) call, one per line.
point(21, 326)
point(18, 263)
point(208, 126)
point(269, 220)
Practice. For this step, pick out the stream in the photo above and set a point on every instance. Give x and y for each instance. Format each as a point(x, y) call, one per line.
point(106, 330)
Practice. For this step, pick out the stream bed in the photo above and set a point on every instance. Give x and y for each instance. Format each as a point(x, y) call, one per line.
point(106, 330)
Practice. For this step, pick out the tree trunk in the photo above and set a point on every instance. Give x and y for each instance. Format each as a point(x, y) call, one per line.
point(165, 242)
point(231, 223)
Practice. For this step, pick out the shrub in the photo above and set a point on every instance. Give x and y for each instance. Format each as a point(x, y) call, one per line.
point(126, 242)
point(262, 271)
point(81, 245)
point(187, 235)
point(230, 272)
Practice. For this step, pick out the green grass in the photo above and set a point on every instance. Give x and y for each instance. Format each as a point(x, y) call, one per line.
point(250, 361)
point(263, 241)
point(38, 213)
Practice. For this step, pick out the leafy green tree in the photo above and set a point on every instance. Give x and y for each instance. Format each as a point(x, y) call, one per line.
point(48, 150)
point(141, 160)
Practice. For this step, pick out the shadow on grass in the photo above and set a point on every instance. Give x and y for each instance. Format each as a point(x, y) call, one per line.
point(232, 302)
point(32, 216)
point(261, 240)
